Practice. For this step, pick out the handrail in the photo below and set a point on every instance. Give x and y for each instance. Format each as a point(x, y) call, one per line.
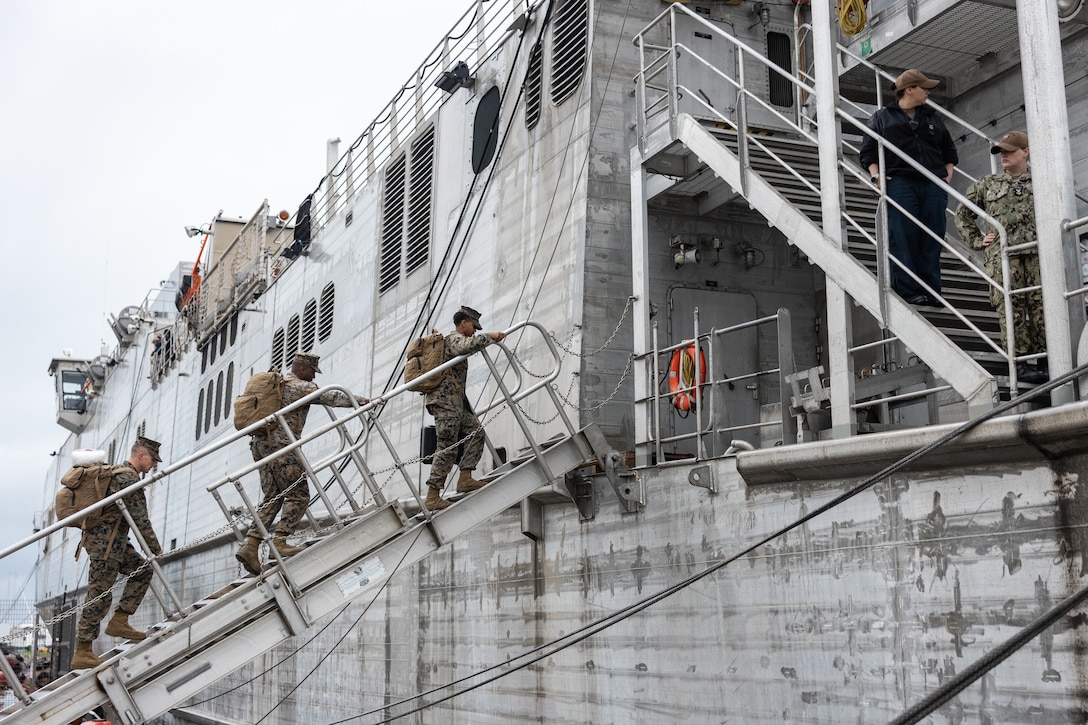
point(513, 394)
point(668, 51)
point(706, 404)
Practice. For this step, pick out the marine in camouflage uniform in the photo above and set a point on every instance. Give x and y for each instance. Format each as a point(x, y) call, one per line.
point(285, 488)
point(1008, 197)
point(111, 554)
point(454, 420)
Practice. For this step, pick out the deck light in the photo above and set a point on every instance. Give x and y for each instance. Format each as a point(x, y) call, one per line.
point(456, 77)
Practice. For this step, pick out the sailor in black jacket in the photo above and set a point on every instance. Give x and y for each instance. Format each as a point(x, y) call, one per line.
point(918, 132)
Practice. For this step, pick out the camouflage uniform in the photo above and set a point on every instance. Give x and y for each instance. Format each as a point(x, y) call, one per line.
point(453, 416)
point(281, 474)
point(1010, 200)
point(111, 554)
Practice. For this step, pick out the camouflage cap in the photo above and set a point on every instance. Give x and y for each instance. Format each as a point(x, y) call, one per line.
point(151, 446)
point(308, 358)
point(472, 315)
point(1012, 141)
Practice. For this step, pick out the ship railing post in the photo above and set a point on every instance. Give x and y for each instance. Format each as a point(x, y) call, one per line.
point(13, 681)
point(152, 560)
point(655, 411)
point(787, 366)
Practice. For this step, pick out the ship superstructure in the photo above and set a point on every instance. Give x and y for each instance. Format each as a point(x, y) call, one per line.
point(732, 475)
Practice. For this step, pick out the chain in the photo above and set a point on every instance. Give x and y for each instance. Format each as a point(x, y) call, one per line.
point(606, 401)
point(564, 348)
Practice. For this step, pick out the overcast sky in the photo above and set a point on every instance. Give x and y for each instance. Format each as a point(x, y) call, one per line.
point(121, 123)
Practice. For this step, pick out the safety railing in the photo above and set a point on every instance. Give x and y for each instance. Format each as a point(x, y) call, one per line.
point(696, 392)
point(342, 447)
point(659, 86)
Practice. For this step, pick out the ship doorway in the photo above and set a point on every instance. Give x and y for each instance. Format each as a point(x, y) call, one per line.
point(711, 94)
point(728, 356)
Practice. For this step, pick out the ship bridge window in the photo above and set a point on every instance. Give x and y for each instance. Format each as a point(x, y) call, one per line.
point(780, 53)
point(485, 130)
point(74, 386)
point(328, 302)
point(569, 48)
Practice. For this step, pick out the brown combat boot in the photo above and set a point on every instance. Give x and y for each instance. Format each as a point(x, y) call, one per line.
point(434, 501)
point(119, 627)
point(84, 657)
point(250, 556)
point(280, 542)
point(466, 483)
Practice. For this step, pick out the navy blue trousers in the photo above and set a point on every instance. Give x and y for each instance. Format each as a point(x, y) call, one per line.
point(912, 246)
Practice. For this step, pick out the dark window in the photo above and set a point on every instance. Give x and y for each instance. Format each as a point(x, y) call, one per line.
point(392, 225)
point(533, 86)
point(309, 325)
point(212, 347)
point(73, 391)
point(218, 395)
point(199, 412)
point(223, 340)
point(779, 51)
point(278, 341)
point(234, 328)
point(419, 202)
point(292, 339)
point(569, 47)
point(485, 130)
point(204, 359)
point(328, 301)
point(228, 397)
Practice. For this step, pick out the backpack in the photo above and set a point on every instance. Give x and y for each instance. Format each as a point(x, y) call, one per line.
point(83, 485)
point(424, 354)
point(262, 397)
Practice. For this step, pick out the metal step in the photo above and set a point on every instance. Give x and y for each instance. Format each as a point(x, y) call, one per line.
point(235, 624)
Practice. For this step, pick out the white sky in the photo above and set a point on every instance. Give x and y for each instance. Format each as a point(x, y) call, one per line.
point(121, 123)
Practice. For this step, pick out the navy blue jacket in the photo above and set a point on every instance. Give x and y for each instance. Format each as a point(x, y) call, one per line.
point(929, 143)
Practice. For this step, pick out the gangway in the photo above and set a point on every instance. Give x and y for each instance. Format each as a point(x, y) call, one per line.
point(224, 630)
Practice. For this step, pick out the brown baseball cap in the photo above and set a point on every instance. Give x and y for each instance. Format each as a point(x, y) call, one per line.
point(1012, 141)
point(914, 77)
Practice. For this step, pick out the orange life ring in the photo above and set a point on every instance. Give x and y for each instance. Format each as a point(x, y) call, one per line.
point(682, 386)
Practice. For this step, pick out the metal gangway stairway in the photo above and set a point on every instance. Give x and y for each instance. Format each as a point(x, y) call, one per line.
point(683, 132)
point(370, 542)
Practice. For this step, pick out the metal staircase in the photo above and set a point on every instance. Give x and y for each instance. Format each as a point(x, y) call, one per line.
point(365, 546)
point(776, 170)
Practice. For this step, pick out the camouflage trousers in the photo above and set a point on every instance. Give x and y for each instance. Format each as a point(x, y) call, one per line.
point(276, 477)
point(1029, 333)
point(101, 576)
point(449, 429)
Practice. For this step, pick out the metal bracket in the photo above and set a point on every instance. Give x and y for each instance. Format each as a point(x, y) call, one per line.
point(703, 478)
point(120, 697)
point(624, 482)
point(581, 492)
point(293, 616)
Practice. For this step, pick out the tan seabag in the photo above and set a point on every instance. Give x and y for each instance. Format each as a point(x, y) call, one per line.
point(262, 397)
point(424, 354)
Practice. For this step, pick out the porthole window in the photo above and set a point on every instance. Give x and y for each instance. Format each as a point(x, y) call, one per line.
point(309, 325)
point(328, 301)
point(569, 48)
point(485, 130)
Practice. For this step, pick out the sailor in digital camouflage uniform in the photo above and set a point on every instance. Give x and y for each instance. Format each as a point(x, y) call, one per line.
point(285, 475)
point(453, 416)
point(1008, 197)
point(111, 554)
